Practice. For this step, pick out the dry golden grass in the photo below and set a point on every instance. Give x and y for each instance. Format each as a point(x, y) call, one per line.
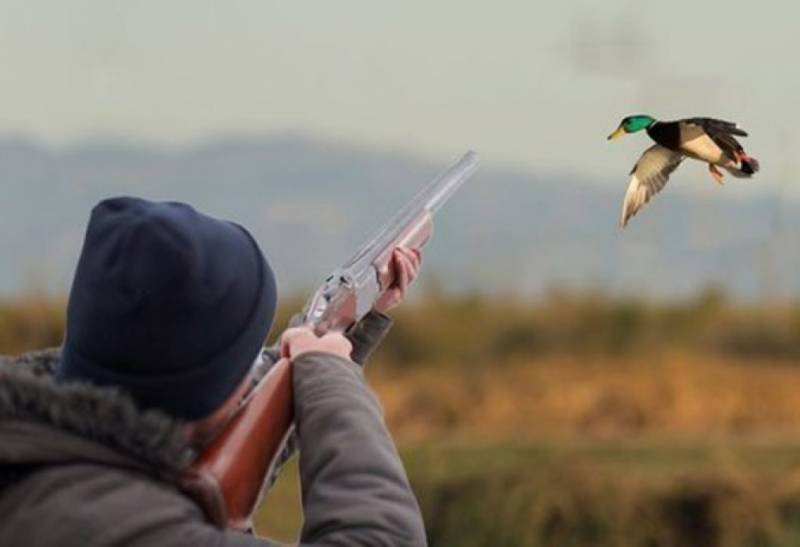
point(556, 366)
point(673, 394)
point(573, 421)
point(32, 321)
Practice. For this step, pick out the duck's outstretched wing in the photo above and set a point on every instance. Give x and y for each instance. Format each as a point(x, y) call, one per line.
point(648, 177)
point(713, 126)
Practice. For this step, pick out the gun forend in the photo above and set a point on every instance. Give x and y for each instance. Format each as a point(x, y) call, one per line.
point(416, 235)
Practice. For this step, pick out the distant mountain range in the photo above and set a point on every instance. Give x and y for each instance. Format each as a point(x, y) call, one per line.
point(310, 203)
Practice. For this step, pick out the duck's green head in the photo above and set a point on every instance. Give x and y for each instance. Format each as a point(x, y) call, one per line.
point(632, 124)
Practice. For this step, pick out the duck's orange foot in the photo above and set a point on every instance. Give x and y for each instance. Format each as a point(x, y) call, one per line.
point(716, 174)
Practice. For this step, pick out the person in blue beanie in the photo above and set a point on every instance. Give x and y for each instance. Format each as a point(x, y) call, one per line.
point(169, 309)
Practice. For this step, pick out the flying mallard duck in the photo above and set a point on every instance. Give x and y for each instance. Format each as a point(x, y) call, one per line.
point(704, 139)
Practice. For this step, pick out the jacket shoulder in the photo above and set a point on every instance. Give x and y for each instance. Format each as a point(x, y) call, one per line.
point(92, 505)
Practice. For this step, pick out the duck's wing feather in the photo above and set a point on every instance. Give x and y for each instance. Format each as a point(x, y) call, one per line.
point(710, 140)
point(648, 177)
point(713, 126)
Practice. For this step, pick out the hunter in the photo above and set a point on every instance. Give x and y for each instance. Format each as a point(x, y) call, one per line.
point(168, 311)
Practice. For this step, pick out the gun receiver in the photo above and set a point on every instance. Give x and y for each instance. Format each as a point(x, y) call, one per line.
point(228, 477)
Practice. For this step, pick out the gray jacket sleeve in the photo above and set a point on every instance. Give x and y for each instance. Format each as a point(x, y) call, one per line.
point(367, 334)
point(354, 488)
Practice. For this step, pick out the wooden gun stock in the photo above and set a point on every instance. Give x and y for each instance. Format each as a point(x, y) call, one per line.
point(228, 476)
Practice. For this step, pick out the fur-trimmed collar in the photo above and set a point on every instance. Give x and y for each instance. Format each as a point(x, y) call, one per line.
point(105, 416)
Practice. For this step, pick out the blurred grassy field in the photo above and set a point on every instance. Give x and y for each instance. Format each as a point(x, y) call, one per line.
point(673, 450)
point(574, 419)
point(656, 491)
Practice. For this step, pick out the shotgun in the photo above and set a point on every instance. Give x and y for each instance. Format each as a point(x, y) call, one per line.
point(228, 477)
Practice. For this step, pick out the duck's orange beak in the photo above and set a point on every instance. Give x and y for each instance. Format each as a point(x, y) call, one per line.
point(616, 134)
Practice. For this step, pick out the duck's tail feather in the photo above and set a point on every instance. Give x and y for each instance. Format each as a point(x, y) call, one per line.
point(744, 167)
point(738, 173)
point(749, 165)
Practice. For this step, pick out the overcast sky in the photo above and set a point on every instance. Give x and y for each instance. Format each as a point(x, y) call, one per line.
point(528, 84)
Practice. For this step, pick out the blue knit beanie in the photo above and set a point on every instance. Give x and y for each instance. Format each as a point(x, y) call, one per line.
point(170, 305)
